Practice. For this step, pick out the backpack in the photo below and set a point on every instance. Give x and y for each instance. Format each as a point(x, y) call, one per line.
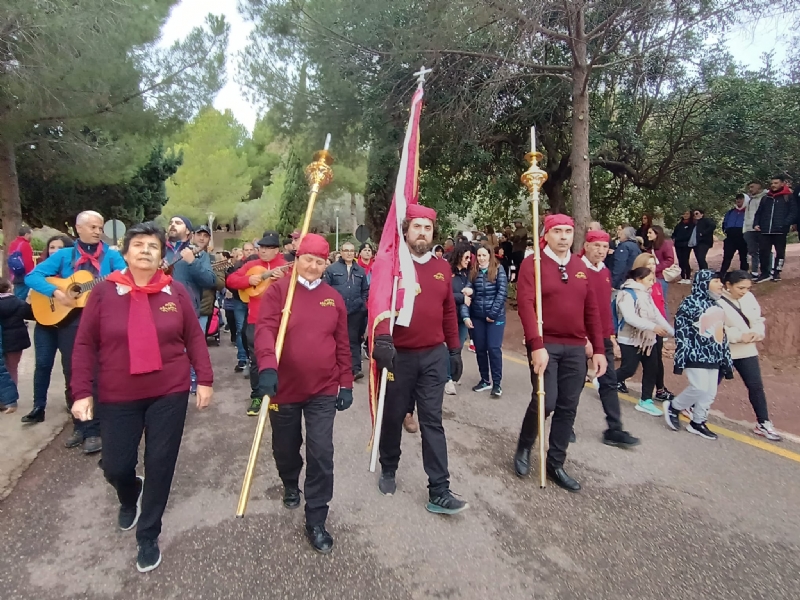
point(16, 265)
point(618, 320)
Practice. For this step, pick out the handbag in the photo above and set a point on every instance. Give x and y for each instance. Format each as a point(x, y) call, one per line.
point(673, 272)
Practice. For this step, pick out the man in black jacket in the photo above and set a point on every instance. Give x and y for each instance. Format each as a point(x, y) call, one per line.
point(348, 278)
point(703, 235)
point(775, 216)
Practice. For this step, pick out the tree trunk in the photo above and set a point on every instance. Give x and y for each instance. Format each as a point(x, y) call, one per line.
point(554, 189)
point(9, 196)
point(579, 157)
point(353, 213)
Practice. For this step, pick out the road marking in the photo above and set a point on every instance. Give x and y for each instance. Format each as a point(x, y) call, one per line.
point(734, 435)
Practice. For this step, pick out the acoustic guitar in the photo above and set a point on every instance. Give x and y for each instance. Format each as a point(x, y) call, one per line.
point(265, 274)
point(49, 311)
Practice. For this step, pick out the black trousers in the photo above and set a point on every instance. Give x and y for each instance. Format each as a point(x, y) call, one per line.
point(609, 395)
point(121, 424)
point(658, 350)
point(230, 319)
point(631, 358)
point(766, 241)
point(734, 242)
point(287, 438)
point(355, 325)
point(750, 370)
point(563, 384)
point(700, 252)
point(516, 260)
point(418, 379)
point(683, 253)
point(249, 341)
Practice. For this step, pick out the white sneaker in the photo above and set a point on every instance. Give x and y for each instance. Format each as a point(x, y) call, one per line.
point(685, 281)
point(450, 388)
point(766, 430)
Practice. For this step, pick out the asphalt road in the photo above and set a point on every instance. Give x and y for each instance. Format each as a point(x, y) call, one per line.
point(677, 517)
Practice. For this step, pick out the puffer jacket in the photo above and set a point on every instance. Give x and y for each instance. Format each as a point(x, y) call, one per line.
point(624, 256)
point(9, 394)
point(776, 212)
point(13, 313)
point(629, 309)
point(460, 281)
point(353, 286)
point(488, 298)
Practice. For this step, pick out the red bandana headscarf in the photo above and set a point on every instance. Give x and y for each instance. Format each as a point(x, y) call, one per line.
point(315, 245)
point(417, 211)
point(595, 236)
point(551, 221)
point(143, 347)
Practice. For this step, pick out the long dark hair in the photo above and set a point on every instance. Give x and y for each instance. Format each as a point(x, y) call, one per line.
point(639, 273)
point(659, 241)
point(459, 250)
point(734, 277)
point(491, 273)
point(68, 243)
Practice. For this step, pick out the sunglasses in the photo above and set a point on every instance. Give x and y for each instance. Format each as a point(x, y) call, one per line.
point(564, 275)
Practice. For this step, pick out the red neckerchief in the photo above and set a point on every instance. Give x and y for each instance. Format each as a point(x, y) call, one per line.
point(93, 259)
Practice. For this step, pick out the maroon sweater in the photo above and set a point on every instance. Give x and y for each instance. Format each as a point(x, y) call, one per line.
point(600, 282)
point(569, 310)
point(434, 320)
point(315, 360)
point(101, 347)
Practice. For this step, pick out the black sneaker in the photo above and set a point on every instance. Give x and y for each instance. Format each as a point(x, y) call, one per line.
point(291, 496)
point(255, 407)
point(496, 391)
point(357, 376)
point(621, 387)
point(701, 429)
point(764, 277)
point(482, 386)
point(240, 366)
point(665, 395)
point(445, 503)
point(572, 437)
point(387, 484)
point(149, 556)
point(776, 276)
point(619, 439)
point(129, 515)
point(672, 416)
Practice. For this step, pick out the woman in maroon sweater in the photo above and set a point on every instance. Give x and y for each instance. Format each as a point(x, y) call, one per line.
point(137, 338)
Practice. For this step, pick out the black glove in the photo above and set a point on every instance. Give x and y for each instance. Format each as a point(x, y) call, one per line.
point(268, 383)
point(345, 399)
point(383, 352)
point(456, 365)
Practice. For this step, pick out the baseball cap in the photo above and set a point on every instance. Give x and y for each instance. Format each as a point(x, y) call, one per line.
point(295, 234)
point(270, 239)
point(203, 229)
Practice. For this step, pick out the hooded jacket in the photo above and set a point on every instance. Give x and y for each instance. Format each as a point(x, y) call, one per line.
point(700, 338)
point(682, 233)
point(750, 210)
point(776, 212)
point(624, 256)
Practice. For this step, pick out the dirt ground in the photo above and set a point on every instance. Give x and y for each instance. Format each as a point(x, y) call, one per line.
point(780, 351)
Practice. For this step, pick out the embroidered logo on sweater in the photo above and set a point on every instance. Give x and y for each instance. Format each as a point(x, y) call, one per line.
point(439, 276)
point(328, 302)
point(169, 307)
point(580, 275)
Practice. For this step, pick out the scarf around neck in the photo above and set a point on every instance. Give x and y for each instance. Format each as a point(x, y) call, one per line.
point(88, 253)
point(143, 347)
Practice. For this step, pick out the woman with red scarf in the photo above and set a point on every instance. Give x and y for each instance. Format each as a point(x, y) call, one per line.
point(135, 344)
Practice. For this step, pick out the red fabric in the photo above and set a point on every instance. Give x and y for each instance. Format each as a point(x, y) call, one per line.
point(101, 352)
point(145, 357)
point(435, 320)
point(366, 266)
point(600, 282)
point(665, 257)
point(657, 293)
point(569, 311)
point(315, 359)
point(551, 221)
point(85, 257)
point(238, 280)
point(597, 236)
point(25, 250)
point(315, 245)
point(417, 211)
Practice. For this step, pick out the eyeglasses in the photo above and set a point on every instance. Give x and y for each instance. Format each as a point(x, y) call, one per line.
point(564, 276)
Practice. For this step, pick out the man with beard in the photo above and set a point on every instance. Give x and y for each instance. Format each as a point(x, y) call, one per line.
point(417, 359)
point(290, 254)
point(202, 238)
point(776, 214)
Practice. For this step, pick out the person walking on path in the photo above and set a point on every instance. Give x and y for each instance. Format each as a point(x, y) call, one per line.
point(776, 214)
point(459, 261)
point(248, 253)
point(733, 227)
point(702, 237)
point(350, 280)
point(312, 381)
point(14, 331)
point(702, 351)
point(133, 352)
point(626, 252)
point(519, 243)
point(641, 326)
point(571, 316)
point(751, 236)
point(20, 261)
point(663, 250)
point(486, 316)
point(90, 254)
point(745, 327)
point(682, 234)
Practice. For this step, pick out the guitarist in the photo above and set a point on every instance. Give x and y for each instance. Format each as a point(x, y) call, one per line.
point(88, 254)
point(269, 257)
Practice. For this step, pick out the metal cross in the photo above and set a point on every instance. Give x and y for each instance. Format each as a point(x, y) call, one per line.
point(421, 74)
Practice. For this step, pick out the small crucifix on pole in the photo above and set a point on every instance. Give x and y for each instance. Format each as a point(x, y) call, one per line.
point(421, 74)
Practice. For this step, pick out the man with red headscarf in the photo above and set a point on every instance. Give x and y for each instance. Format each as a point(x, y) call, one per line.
point(570, 315)
point(595, 250)
point(317, 336)
point(417, 358)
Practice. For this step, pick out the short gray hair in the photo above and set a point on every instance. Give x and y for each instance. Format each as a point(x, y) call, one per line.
point(86, 215)
point(629, 233)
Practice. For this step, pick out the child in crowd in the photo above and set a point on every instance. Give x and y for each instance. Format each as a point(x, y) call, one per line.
point(14, 337)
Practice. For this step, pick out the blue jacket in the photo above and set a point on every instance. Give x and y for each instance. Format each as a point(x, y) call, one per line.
point(624, 256)
point(353, 287)
point(195, 277)
point(733, 219)
point(9, 394)
point(62, 264)
point(488, 299)
point(460, 281)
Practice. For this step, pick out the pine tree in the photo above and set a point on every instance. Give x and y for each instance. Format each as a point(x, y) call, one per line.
point(295, 195)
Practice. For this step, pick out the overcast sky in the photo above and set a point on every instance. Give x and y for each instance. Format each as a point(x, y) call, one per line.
point(747, 45)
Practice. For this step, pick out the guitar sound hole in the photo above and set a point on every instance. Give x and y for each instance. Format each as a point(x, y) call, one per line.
point(74, 290)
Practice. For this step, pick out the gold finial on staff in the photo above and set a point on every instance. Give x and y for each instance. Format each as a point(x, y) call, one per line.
point(533, 179)
point(319, 173)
